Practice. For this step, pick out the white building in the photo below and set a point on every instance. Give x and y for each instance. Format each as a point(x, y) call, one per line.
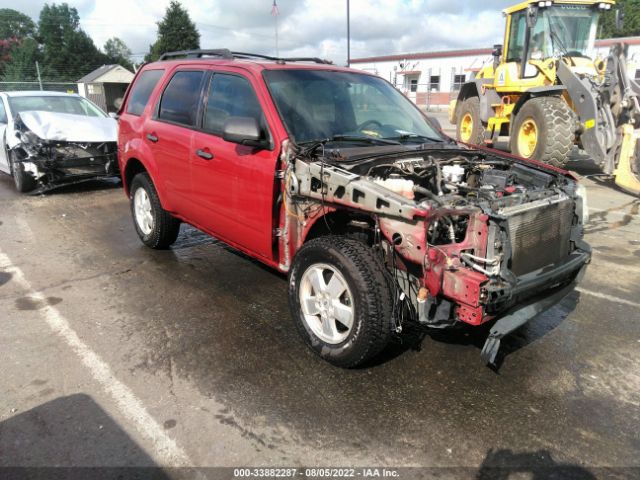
point(432, 79)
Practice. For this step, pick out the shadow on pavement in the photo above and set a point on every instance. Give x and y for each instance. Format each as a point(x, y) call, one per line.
point(539, 465)
point(70, 437)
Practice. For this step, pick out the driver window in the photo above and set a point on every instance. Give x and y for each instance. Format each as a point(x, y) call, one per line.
point(3, 113)
point(517, 36)
point(230, 96)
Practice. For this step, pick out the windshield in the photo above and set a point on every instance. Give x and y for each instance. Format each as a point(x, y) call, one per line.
point(564, 30)
point(57, 104)
point(322, 104)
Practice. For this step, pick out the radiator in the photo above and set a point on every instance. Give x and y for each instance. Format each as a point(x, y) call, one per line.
point(539, 233)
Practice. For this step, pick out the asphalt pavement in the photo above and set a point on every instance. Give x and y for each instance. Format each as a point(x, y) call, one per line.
point(114, 355)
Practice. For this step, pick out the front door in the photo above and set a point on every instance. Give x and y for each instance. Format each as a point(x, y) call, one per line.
point(234, 184)
point(4, 159)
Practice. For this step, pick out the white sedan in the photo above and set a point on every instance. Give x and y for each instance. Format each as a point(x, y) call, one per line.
point(49, 139)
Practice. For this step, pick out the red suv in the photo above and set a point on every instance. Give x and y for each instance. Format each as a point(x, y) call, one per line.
point(333, 176)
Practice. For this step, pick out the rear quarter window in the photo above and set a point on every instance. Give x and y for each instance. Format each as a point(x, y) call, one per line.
point(142, 90)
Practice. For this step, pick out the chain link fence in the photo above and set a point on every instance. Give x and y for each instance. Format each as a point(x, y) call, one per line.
point(67, 87)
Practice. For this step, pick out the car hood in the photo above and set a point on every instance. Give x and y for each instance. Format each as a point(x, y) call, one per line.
point(69, 127)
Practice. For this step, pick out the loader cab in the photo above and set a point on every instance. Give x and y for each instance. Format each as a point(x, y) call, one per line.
point(539, 31)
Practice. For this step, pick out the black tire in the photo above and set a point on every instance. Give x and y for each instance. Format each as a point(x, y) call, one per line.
point(471, 106)
point(23, 180)
point(368, 282)
point(556, 130)
point(165, 228)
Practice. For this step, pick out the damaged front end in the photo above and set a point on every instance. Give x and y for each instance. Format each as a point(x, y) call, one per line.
point(469, 236)
point(62, 159)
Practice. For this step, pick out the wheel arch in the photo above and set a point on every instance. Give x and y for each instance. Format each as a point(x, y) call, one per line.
point(133, 166)
point(536, 92)
point(339, 222)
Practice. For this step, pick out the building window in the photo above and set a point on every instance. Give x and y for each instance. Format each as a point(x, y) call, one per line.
point(413, 86)
point(434, 83)
point(638, 74)
point(458, 81)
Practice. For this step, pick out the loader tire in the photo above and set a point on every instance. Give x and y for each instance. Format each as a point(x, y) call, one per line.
point(469, 128)
point(544, 130)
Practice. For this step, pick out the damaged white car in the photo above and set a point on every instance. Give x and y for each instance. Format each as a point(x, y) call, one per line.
point(50, 139)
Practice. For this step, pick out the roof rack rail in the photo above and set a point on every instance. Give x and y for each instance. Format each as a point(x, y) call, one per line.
point(229, 55)
point(220, 52)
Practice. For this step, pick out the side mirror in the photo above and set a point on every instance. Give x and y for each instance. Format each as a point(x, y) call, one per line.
point(497, 50)
point(243, 130)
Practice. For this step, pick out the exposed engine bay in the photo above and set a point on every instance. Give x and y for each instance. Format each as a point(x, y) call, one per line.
point(55, 161)
point(466, 234)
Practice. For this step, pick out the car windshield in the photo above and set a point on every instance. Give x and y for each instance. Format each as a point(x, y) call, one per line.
point(564, 30)
point(344, 106)
point(56, 104)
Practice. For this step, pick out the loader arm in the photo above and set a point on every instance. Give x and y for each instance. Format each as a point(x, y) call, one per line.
point(608, 112)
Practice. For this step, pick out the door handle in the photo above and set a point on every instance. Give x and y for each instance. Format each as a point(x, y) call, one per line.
point(204, 154)
point(152, 138)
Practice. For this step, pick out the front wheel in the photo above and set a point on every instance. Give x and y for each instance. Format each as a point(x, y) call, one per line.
point(156, 227)
point(22, 179)
point(340, 299)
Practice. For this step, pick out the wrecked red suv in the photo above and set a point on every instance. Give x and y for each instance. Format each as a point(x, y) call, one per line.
point(333, 176)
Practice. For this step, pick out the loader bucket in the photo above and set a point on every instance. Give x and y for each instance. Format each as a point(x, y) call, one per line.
point(627, 177)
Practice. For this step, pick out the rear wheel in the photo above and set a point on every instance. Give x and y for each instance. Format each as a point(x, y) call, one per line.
point(156, 227)
point(23, 180)
point(340, 299)
point(470, 128)
point(544, 130)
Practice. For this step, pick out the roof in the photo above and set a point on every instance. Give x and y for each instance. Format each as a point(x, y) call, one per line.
point(525, 4)
point(100, 72)
point(472, 52)
point(38, 93)
point(424, 55)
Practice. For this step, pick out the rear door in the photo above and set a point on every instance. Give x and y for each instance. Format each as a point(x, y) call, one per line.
point(169, 133)
point(233, 184)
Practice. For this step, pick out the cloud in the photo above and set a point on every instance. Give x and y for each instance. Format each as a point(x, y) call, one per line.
point(305, 27)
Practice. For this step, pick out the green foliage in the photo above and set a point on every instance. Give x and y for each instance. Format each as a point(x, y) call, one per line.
point(22, 66)
point(14, 24)
point(118, 52)
point(631, 25)
point(68, 52)
point(176, 31)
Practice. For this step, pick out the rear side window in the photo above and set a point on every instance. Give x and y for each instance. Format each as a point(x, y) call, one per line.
point(179, 103)
point(142, 89)
point(230, 96)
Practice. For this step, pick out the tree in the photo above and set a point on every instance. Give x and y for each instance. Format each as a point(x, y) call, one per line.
point(118, 52)
point(631, 25)
point(176, 31)
point(14, 24)
point(22, 66)
point(14, 27)
point(68, 53)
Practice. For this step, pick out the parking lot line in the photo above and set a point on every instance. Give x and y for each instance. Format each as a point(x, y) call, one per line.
point(167, 452)
point(610, 298)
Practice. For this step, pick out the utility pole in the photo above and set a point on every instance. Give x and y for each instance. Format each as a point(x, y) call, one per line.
point(38, 72)
point(275, 11)
point(348, 35)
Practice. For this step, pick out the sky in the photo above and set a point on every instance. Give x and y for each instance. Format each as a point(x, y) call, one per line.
point(305, 27)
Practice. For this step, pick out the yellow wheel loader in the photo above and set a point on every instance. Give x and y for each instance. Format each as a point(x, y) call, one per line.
point(546, 92)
